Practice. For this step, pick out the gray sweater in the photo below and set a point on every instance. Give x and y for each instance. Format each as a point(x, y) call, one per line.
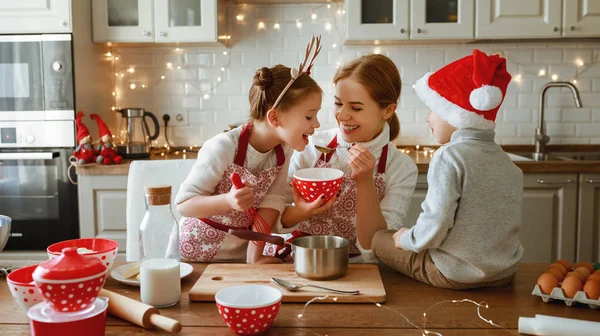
point(472, 212)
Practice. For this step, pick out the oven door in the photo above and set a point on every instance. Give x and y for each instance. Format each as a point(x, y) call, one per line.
point(36, 193)
point(21, 82)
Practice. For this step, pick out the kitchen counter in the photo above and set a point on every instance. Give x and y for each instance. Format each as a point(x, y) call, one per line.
point(422, 160)
point(404, 296)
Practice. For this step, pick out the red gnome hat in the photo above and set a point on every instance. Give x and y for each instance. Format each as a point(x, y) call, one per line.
point(466, 93)
point(102, 128)
point(82, 130)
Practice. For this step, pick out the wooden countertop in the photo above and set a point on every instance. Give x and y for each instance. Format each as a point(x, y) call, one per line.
point(422, 160)
point(404, 296)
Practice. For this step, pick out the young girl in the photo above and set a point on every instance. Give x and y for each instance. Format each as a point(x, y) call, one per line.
point(378, 181)
point(283, 112)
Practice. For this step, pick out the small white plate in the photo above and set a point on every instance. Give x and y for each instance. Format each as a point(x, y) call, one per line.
point(117, 274)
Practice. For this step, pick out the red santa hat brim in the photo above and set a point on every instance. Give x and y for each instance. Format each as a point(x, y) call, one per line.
point(450, 112)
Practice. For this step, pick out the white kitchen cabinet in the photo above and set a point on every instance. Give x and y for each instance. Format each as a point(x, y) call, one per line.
point(35, 16)
point(581, 18)
point(588, 218)
point(158, 20)
point(414, 209)
point(102, 203)
point(442, 19)
point(377, 19)
point(518, 19)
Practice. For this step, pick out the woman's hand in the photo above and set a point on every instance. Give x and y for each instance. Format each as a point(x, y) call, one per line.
point(362, 163)
point(316, 207)
point(240, 199)
point(397, 237)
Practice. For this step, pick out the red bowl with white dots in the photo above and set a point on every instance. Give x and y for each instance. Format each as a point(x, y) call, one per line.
point(100, 248)
point(71, 282)
point(248, 309)
point(21, 285)
point(314, 182)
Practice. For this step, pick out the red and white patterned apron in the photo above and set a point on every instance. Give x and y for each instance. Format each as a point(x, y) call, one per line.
point(340, 220)
point(206, 239)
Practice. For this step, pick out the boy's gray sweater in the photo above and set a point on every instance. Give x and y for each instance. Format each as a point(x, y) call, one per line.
point(472, 212)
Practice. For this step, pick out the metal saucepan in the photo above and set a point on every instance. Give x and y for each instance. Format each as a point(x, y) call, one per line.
point(315, 257)
point(4, 230)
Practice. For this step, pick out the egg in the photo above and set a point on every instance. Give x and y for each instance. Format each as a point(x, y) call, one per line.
point(587, 265)
point(577, 275)
point(584, 271)
point(595, 277)
point(547, 282)
point(557, 273)
point(570, 286)
point(559, 267)
point(565, 263)
point(592, 290)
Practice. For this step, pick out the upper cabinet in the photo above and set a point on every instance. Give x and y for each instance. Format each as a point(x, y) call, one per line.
point(518, 18)
point(442, 19)
point(377, 19)
point(581, 18)
point(158, 20)
point(35, 16)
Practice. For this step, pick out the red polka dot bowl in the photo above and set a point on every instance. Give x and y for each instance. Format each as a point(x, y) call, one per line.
point(21, 285)
point(71, 282)
point(101, 248)
point(248, 309)
point(314, 182)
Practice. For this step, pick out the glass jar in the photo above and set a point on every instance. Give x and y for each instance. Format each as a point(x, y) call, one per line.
point(160, 283)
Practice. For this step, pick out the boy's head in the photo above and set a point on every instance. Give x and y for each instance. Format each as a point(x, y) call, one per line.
point(441, 129)
point(466, 93)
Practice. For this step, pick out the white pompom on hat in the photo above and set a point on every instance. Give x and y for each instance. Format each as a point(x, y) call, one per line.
point(467, 93)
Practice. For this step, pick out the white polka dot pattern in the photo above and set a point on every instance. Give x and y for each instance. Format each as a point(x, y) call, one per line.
point(249, 321)
point(71, 297)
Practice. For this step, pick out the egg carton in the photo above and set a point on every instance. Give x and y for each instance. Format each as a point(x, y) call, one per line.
point(558, 294)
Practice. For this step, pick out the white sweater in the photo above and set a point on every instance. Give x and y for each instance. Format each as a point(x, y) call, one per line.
point(400, 174)
point(218, 153)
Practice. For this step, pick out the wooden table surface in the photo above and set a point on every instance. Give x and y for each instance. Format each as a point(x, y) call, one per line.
point(404, 296)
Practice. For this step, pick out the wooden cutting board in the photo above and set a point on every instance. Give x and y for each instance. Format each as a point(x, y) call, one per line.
point(362, 277)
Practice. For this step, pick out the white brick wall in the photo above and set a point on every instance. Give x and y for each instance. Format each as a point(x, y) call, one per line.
point(181, 91)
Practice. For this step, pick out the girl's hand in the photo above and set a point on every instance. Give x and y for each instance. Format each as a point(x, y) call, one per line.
point(240, 199)
point(316, 207)
point(362, 163)
point(397, 237)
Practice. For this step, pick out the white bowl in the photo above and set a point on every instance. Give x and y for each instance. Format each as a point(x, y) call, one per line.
point(318, 174)
point(248, 296)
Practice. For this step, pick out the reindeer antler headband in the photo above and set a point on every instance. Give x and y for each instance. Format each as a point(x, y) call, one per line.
point(309, 58)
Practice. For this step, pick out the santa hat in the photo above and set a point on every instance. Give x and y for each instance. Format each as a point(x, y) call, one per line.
point(82, 130)
point(102, 128)
point(468, 92)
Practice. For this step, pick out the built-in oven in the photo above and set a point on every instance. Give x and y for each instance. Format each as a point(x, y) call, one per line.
point(37, 137)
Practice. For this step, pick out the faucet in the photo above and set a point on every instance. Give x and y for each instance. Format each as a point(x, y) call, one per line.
point(541, 139)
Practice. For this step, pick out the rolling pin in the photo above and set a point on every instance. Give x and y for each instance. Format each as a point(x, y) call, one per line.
point(139, 313)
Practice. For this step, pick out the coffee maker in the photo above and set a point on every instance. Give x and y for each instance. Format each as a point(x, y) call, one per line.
point(134, 137)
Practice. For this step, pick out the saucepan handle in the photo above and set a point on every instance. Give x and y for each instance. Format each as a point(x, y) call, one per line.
point(257, 236)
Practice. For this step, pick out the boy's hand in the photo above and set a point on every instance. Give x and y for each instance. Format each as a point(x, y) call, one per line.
point(240, 199)
point(362, 163)
point(397, 237)
point(316, 207)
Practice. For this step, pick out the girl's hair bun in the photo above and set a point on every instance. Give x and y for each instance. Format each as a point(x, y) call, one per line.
point(263, 78)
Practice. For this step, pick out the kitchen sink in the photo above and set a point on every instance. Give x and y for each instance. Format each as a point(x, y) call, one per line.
point(578, 156)
point(531, 156)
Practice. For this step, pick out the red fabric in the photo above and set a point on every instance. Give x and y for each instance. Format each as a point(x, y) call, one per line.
point(82, 130)
point(102, 128)
point(457, 80)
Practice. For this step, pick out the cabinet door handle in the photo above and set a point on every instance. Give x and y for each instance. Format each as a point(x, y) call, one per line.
point(542, 181)
point(146, 33)
point(419, 31)
point(421, 183)
point(572, 28)
point(163, 34)
point(556, 29)
point(402, 30)
point(63, 23)
point(592, 181)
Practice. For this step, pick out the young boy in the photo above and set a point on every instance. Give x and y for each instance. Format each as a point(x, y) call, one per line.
point(466, 236)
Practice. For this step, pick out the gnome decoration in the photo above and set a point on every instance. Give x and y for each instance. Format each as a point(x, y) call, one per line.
point(85, 150)
point(107, 154)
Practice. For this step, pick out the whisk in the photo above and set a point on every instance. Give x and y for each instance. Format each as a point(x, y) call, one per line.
point(261, 225)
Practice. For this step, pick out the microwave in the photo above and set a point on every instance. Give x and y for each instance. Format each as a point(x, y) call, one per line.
point(36, 77)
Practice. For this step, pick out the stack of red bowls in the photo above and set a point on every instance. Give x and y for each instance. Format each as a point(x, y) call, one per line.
point(69, 285)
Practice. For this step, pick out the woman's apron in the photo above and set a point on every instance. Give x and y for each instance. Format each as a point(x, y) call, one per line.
point(206, 239)
point(340, 219)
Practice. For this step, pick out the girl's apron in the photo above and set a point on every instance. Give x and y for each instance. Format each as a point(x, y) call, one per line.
point(340, 219)
point(206, 239)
